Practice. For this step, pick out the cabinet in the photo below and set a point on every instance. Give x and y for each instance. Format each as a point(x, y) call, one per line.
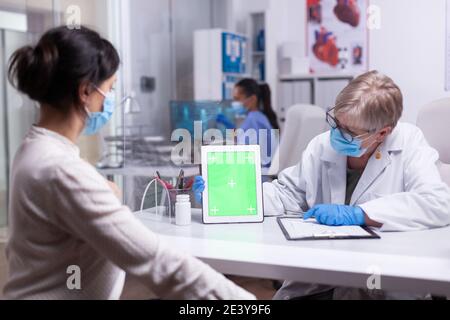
point(257, 46)
point(220, 60)
point(309, 89)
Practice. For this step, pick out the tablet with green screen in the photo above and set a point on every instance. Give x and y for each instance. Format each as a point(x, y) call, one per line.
point(233, 192)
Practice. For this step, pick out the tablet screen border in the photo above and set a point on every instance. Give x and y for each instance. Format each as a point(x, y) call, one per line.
point(259, 217)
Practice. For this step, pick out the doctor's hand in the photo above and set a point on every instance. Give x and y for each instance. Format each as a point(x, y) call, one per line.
point(337, 215)
point(198, 188)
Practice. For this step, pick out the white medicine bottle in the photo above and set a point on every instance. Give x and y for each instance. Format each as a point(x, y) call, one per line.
point(183, 210)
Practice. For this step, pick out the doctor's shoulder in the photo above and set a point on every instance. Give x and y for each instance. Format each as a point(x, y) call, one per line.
point(319, 145)
point(408, 144)
point(410, 135)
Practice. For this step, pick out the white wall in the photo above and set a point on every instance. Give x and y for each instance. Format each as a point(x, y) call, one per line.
point(409, 47)
point(184, 25)
point(150, 51)
point(155, 52)
point(276, 30)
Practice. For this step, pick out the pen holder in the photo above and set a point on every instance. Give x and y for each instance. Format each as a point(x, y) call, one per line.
point(162, 198)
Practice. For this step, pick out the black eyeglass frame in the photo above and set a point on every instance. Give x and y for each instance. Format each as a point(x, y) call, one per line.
point(348, 135)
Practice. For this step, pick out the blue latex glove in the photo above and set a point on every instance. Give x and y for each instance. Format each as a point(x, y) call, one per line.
point(222, 119)
point(337, 215)
point(198, 187)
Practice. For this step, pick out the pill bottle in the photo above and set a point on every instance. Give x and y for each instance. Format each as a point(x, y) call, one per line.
point(183, 210)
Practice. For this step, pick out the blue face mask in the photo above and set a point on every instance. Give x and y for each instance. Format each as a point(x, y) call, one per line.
point(97, 120)
point(239, 108)
point(350, 149)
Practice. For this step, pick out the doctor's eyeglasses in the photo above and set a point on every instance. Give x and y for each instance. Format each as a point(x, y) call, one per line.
point(346, 134)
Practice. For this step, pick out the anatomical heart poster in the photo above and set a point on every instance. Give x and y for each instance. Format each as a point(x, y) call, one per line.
point(337, 36)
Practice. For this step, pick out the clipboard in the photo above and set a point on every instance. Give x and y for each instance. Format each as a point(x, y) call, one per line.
point(367, 234)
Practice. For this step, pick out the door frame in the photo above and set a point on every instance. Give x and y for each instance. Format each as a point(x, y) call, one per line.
point(6, 146)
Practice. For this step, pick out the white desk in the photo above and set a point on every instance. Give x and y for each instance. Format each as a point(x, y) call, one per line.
point(416, 262)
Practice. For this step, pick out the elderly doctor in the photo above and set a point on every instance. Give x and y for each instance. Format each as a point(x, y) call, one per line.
point(368, 170)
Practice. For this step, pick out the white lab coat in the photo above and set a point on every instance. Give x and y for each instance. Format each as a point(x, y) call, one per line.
point(403, 190)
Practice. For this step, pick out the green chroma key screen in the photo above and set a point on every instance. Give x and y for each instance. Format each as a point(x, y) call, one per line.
point(232, 184)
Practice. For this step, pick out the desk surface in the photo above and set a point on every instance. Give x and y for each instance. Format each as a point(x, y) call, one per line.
point(416, 262)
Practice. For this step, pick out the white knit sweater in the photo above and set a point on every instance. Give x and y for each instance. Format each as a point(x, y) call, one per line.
point(63, 213)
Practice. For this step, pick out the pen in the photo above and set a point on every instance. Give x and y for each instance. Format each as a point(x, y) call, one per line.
point(168, 185)
point(177, 180)
point(181, 186)
point(165, 183)
point(179, 183)
point(189, 184)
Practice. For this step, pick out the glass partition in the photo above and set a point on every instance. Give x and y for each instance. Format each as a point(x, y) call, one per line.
point(17, 115)
point(3, 147)
point(20, 24)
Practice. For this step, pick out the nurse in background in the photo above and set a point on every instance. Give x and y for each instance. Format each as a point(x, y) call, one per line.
point(254, 101)
point(63, 213)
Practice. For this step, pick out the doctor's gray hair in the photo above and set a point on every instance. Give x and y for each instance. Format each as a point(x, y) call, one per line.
point(372, 101)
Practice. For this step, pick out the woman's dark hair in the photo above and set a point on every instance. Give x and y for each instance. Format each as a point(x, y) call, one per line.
point(52, 71)
point(262, 92)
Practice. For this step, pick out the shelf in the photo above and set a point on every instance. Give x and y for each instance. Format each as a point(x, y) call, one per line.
point(256, 24)
point(290, 77)
point(259, 53)
point(237, 75)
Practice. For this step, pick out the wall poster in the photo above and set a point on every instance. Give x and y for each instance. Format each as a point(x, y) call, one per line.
point(337, 36)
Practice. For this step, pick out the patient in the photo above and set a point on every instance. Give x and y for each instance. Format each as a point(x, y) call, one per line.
point(63, 214)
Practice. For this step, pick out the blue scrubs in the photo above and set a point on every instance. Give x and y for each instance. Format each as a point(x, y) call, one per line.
point(257, 121)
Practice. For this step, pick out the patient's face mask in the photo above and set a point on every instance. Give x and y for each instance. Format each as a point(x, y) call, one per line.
point(97, 120)
point(350, 149)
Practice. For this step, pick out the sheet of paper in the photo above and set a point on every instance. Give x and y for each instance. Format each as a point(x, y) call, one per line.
point(298, 229)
